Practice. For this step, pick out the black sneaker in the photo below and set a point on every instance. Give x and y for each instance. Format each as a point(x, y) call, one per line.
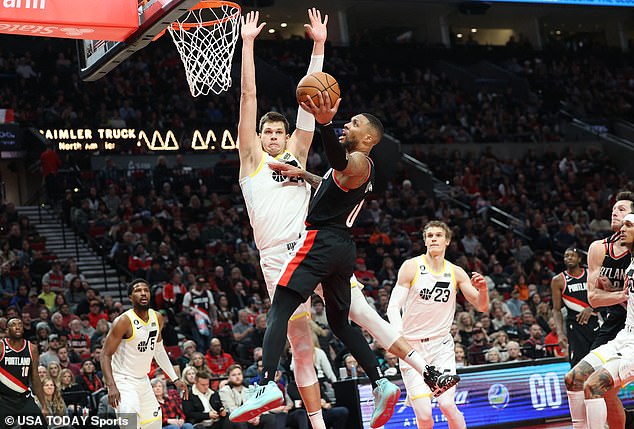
point(438, 382)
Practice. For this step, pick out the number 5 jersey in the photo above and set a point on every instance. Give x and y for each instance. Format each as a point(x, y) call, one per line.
point(134, 355)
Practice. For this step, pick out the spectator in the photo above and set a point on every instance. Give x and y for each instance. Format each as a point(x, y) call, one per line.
point(479, 343)
point(83, 307)
point(78, 342)
point(200, 311)
point(34, 306)
point(47, 296)
point(54, 404)
point(515, 303)
point(319, 313)
point(461, 359)
point(54, 370)
point(534, 346)
point(189, 347)
point(188, 376)
point(391, 364)
point(100, 333)
point(28, 324)
point(172, 413)
point(493, 355)
point(217, 360)
point(199, 362)
point(89, 379)
point(51, 354)
point(233, 395)
point(203, 405)
point(86, 329)
point(253, 370)
point(96, 313)
point(65, 363)
point(365, 276)
point(320, 362)
point(54, 277)
point(241, 332)
point(514, 351)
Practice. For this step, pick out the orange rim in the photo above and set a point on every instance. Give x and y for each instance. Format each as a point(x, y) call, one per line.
point(208, 5)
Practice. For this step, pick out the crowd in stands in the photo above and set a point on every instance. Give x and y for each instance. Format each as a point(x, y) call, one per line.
point(195, 246)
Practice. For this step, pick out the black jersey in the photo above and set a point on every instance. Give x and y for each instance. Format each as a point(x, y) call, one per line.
point(336, 206)
point(15, 367)
point(614, 267)
point(575, 293)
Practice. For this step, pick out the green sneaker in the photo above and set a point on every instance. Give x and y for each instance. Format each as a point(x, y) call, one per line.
point(264, 399)
point(386, 396)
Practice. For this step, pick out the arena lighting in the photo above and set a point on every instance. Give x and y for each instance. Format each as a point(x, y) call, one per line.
point(474, 30)
point(612, 3)
point(271, 30)
point(283, 25)
point(459, 35)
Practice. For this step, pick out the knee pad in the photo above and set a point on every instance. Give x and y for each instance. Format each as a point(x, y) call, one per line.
point(301, 339)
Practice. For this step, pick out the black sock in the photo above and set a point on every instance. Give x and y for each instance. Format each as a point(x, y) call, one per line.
point(629, 419)
point(285, 302)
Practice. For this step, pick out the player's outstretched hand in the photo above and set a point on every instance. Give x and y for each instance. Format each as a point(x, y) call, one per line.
point(584, 316)
point(250, 28)
point(183, 388)
point(286, 169)
point(114, 397)
point(478, 281)
point(325, 112)
point(605, 283)
point(317, 29)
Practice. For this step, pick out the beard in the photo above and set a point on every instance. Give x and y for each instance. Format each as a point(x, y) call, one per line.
point(142, 307)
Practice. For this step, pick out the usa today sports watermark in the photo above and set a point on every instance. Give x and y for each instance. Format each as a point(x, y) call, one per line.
point(124, 421)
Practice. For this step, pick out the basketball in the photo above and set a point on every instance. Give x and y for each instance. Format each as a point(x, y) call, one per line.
point(315, 83)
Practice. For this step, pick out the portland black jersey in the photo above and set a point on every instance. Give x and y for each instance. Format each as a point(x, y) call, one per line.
point(336, 206)
point(614, 267)
point(575, 293)
point(15, 367)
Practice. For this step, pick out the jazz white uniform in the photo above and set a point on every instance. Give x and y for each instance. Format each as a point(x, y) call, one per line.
point(277, 206)
point(427, 317)
point(617, 355)
point(130, 366)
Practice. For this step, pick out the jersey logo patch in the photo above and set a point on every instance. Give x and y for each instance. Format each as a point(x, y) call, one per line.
point(151, 341)
point(439, 293)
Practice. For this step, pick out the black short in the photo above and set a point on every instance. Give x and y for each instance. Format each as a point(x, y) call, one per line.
point(11, 407)
point(612, 325)
point(580, 339)
point(325, 256)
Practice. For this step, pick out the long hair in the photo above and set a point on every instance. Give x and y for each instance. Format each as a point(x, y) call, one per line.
point(56, 403)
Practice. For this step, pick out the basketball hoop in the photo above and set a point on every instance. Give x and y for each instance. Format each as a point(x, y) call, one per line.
point(206, 39)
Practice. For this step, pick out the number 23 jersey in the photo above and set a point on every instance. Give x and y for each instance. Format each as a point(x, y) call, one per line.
point(134, 355)
point(431, 304)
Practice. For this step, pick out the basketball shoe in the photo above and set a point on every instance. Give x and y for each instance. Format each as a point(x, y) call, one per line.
point(263, 399)
point(386, 396)
point(438, 382)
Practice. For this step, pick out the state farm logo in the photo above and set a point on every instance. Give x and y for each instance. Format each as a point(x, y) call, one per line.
point(42, 30)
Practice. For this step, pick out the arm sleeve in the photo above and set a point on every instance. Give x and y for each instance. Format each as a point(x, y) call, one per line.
point(335, 152)
point(397, 301)
point(306, 121)
point(163, 360)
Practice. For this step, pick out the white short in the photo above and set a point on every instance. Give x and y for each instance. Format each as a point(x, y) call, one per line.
point(137, 397)
point(272, 260)
point(616, 356)
point(438, 352)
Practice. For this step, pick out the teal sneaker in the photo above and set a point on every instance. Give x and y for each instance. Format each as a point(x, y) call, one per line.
point(264, 398)
point(386, 396)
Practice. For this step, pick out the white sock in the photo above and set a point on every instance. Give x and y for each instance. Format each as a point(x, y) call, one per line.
point(597, 413)
point(577, 409)
point(317, 420)
point(416, 361)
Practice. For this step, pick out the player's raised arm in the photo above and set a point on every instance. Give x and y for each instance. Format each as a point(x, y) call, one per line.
point(302, 137)
point(406, 275)
point(474, 289)
point(121, 328)
point(599, 294)
point(249, 148)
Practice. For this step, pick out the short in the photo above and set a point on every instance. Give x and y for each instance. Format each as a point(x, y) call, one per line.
point(323, 256)
point(580, 339)
point(612, 325)
point(438, 352)
point(272, 261)
point(13, 406)
point(616, 356)
point(137, 397)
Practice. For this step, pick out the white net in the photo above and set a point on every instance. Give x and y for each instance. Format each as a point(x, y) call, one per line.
point(206, 39)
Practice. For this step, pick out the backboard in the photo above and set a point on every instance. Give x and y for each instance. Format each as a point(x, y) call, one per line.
point(98, 57)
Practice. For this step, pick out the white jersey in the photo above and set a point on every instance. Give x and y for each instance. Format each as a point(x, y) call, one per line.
point(277, 205)
point(134, 355)
point(431, 303)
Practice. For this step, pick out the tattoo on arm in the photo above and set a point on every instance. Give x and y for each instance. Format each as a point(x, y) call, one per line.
point(580, 374)
point(312, 179)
